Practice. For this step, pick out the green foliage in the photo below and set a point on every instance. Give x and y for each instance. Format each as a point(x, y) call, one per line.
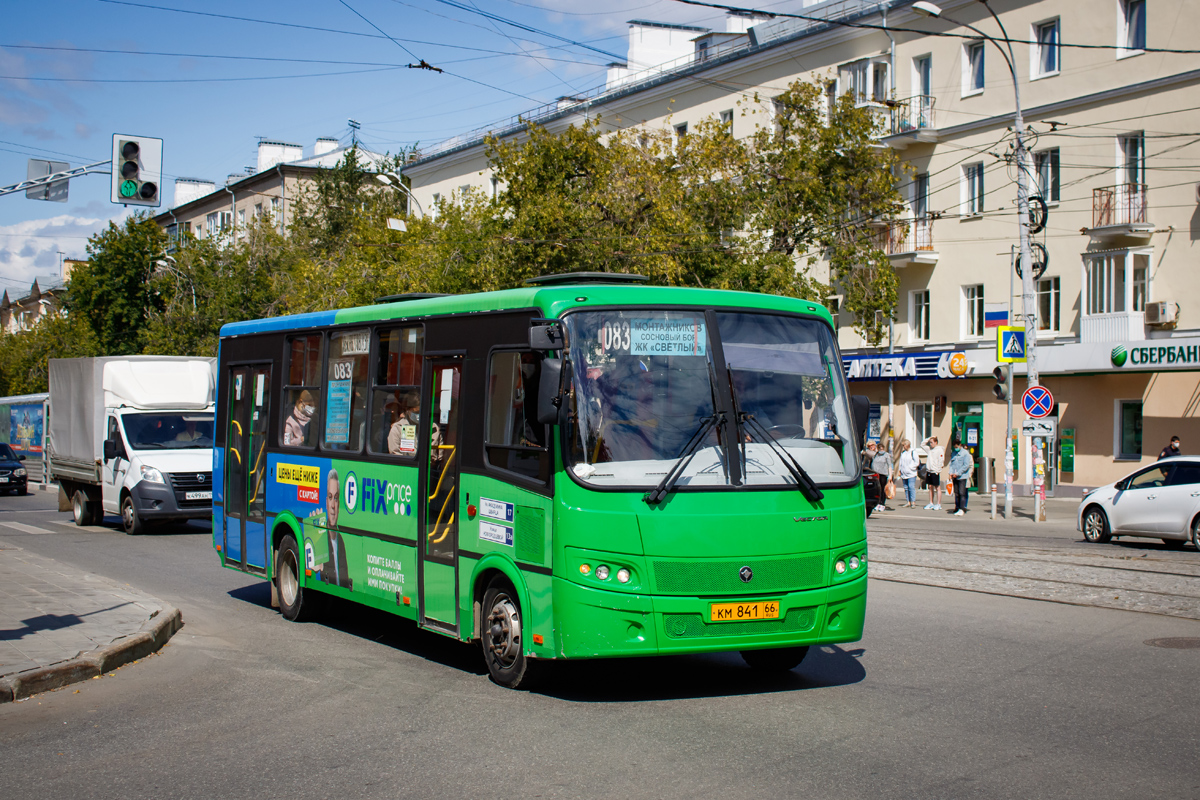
point(24, 356)
point(109, 291)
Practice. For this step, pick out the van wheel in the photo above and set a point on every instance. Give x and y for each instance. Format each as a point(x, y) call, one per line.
point(779, 659)
point(81, 509)
point(294, 603)
point(1095, 526)
point(129, 517)
point(502, 637)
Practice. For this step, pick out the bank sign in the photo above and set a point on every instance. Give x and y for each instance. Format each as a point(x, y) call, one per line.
point(1168, 354)
point(907, 366)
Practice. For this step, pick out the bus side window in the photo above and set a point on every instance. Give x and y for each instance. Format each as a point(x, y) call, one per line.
point(396, 392)
point(513, 438)
point(302, 391)
point(346, 391)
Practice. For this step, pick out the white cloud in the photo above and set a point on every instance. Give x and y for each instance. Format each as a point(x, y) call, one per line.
point(30, 249)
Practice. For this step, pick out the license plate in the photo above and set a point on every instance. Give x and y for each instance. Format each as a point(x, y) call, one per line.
point(3, 480)
point(197, 495)
point(743, 612)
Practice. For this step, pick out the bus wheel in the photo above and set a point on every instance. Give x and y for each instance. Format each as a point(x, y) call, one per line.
point(129, 517)
point(780, 659)
point(294, 603)
point(502, 637)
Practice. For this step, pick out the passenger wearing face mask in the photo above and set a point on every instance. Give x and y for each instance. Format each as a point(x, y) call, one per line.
point(295, 430)
point(398, 441)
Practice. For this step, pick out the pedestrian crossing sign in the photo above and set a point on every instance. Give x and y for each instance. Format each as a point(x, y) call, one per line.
point(1010, 344)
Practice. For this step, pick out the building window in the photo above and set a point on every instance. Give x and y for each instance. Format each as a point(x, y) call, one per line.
point(853, 79)
point(226, 220)
point(973, 310)
point(1129, 429)
point(242, 218)
point(1133, 157)
point(681, 130)
point(1141, 271)
point(923, 75)
point(920, 201)
point(1048, 298)
point(727, 118)
point(495, 188)
point(1046, 50)
point(275, 206)
point(920, 418)
point(880, 87)
point(920, 316)
point(1132, 34)
point(1045, 167)
point(834, 304)
point(972, 189)
point(973, 68)
point(1106, 276)
point(212, 223)
point(258, 210)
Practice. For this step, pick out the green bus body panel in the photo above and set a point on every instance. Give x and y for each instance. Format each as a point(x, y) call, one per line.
point(683, 554)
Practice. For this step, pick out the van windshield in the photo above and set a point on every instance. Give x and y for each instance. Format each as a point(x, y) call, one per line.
point(644, 381)
point(172, 431)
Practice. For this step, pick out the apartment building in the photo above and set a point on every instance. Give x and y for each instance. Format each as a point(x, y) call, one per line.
point(1113, 124)
point(271, 187)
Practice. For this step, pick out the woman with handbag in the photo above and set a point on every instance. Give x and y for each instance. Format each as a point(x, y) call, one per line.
point(907, 466)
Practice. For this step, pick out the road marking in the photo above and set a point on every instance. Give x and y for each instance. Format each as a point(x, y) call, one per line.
point(23, 528)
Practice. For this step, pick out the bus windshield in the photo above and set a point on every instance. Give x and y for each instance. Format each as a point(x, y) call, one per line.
point(168, 431)
point(645, 381)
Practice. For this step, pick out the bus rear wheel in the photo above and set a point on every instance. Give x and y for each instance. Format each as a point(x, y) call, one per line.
point(779, 659)
point(502, 637)
point(294, 603)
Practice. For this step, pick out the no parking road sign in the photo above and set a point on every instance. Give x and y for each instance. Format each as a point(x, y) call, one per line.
point(1037, 401)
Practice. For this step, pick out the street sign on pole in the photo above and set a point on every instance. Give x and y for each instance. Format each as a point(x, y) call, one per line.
point(1010, 344)
point(1037, 402)
point(56, 191)
point(1040, 427)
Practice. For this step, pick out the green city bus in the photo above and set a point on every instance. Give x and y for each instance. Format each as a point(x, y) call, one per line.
point(583, 468)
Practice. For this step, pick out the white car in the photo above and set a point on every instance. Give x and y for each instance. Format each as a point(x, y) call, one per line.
point(1161, 501)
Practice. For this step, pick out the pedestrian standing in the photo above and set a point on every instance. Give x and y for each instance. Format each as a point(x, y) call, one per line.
point(960, 470)
point(907, 465)
point(934, 461)
point(882, 464)
point(1172, 449)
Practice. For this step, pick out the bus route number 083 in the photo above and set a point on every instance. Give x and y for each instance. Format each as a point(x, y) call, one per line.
point(615, 336)
point(343, 370)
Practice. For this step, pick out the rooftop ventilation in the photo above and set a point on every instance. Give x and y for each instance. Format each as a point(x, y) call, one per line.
point(404, 298)
point(572, 278)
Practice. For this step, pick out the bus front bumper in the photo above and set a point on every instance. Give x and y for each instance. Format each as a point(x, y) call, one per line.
point(594, 623)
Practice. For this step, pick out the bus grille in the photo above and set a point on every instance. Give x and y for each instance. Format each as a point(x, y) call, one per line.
point(530, 534)
point(696, 577)
point(693, 626)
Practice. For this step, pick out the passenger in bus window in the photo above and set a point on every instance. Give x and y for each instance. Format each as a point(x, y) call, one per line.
point(295, 430)
point(402, 439)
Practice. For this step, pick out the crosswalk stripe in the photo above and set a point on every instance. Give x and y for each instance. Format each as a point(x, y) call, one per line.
point(23, 528)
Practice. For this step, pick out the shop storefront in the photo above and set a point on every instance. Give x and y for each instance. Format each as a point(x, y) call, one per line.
point(1117, 405)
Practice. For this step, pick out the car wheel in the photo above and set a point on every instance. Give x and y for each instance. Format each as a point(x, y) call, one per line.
point(502, 637)
point(1095, 526)
point(129, 517)
point(24, 490)
point(295, 604)
point(1196, 533)
point(779, 659)
point(1174, 544)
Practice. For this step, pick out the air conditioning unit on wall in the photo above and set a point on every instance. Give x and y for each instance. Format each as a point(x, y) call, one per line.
point(1161, 313)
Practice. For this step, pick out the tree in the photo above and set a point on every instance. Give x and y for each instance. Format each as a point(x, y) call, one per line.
point(109, 292)
point(24, 356)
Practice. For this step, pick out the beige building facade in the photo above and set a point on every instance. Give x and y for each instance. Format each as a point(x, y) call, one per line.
point(1113, 154)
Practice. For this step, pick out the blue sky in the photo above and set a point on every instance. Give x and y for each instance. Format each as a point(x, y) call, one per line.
point(61, 99)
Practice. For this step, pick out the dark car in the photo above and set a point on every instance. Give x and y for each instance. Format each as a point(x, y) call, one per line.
point(872, 490)
point(12, 471)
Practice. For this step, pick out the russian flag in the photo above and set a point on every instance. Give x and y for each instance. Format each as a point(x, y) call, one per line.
point(995, 315)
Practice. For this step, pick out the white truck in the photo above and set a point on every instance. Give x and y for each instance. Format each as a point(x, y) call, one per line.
point(132, 435)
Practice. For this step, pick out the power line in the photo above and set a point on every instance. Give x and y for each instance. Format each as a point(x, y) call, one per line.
point(199, 80)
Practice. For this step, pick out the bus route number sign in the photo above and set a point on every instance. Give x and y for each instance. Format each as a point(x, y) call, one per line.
point(655, 337)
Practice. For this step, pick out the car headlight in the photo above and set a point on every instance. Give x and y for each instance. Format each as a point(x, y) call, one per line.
point(19, 472)
point(152, 475)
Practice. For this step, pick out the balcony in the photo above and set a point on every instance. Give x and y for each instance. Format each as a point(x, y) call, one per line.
point(1120, 211)
point(908, 242)
point(911, 122)
point(1123, 326)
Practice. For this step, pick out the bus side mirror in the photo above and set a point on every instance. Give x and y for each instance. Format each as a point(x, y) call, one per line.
point(550, 391)
point(110, 450)
point(545, 334)
point(860, 408)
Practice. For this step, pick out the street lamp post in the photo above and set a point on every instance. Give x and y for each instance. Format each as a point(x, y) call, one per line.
point(393, 180)
point(1028, 300)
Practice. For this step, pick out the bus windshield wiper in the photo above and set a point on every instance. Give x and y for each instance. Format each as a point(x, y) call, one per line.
point(746, 421)
point(667, 484)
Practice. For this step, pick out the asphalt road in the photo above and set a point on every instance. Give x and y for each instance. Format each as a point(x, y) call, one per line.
point(950, 694)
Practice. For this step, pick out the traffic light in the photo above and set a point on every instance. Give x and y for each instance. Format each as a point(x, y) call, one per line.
point(136, 170)
point(1001, 387)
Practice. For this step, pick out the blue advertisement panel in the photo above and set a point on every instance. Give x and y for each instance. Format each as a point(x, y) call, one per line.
point(25, 428)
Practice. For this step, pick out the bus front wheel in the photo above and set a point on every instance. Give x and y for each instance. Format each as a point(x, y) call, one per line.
point(502, 637)
point(294, 603)
point(780, 659)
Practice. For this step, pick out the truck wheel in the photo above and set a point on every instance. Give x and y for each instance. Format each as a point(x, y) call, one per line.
point(129, 517)
point(294, 603)
point(81, 509)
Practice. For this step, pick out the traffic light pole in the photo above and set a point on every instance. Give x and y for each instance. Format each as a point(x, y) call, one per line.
point(102, 167)
point(1008, 449)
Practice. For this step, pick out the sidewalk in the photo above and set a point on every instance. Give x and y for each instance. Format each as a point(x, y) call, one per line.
point(59, 625)
point(979, 507)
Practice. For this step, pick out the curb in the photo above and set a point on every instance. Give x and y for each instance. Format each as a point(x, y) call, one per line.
point(155, 633)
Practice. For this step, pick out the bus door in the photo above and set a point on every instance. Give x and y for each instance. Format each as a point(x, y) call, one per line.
point(245, 534)
point(438, 551)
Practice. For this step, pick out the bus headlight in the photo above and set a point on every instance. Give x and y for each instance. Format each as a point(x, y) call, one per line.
point(853, 562)
point(839, 567)
point(602, 572)
point(152, 475)
point(623, 575)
